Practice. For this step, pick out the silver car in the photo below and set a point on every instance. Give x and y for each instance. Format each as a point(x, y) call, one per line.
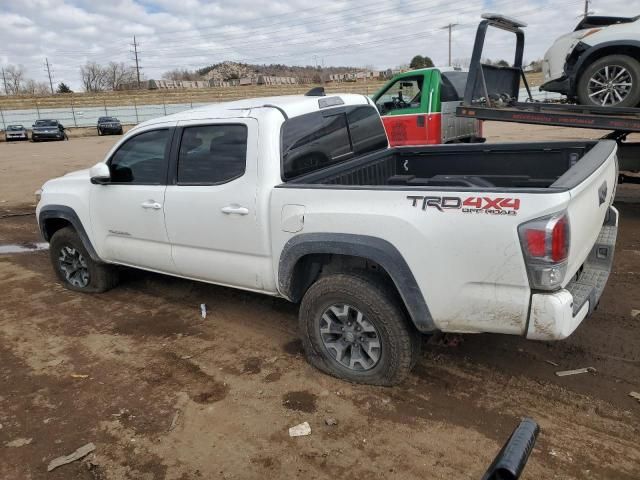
point(16, 132)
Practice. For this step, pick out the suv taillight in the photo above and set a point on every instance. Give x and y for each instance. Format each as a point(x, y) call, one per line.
point(545, 243)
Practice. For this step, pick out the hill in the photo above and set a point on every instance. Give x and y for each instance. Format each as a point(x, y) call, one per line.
point(234, 70)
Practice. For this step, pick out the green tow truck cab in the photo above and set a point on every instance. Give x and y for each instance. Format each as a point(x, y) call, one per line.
point(419, 108)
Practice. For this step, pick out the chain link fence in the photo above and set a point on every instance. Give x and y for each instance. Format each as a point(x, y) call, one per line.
point(83, 110)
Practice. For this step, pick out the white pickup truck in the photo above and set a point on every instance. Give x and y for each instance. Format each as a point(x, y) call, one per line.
point(300, 197)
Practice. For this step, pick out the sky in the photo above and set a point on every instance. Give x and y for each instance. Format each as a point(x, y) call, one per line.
point(194, 33)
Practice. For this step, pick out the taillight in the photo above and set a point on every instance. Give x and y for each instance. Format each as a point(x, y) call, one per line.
point(545, 243)
point(560, 240)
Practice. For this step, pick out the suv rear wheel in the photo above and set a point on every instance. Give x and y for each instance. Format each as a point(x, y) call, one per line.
point(354, 328)
point(75, 268)
point(612, 81)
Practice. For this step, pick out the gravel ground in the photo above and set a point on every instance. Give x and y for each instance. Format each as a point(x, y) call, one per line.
point(165, 394)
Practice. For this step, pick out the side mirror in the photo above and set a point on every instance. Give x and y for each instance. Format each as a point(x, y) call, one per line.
point(100, 174)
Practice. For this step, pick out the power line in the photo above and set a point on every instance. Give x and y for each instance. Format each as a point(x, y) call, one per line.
point(319, 39)
point(49, 74)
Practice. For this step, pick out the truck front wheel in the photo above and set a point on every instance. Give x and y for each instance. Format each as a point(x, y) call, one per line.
point(353, 328)
point(74, 266)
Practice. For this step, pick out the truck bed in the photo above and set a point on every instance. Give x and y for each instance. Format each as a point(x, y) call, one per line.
point(550, 165)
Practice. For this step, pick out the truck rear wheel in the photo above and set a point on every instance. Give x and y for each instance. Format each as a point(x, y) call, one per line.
point(74, 266)
point(353, 328)
point(612, 81)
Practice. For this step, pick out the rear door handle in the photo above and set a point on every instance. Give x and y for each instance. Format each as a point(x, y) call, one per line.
point(235, 209)
point(151, 204)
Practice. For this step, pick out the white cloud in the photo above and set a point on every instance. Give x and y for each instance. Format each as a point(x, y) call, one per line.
point(195, 33)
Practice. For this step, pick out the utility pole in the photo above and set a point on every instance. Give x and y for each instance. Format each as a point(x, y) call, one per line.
point(135, 52)
point(4, 79)
point(49, 73)
point(586, 7)
point(450, 27)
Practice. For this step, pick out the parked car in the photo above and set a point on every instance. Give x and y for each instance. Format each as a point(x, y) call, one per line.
point(48, 130)
point(419, 108)
point(377, 244)
point(15, 132)
point(598, 63)
point(109, 125)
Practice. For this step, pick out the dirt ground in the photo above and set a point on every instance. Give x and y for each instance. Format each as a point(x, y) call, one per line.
point(166, 394)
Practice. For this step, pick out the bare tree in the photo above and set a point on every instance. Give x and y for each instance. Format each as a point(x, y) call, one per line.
point(93, 77)
point(116, 74)
point(31, 87)
point(15, 78)
point(181, 74)
point(462, 62)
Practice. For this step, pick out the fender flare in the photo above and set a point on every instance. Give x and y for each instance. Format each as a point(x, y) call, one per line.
point(371, 248)
point(52, 212)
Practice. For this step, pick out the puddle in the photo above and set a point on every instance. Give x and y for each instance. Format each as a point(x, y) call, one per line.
point(23, 247)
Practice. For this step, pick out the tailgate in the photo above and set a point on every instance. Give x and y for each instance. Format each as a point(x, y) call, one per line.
point(593, 224)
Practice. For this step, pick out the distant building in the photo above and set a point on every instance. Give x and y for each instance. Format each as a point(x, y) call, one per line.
point(164, 85)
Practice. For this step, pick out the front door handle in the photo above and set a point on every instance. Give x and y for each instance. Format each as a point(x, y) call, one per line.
point(235, 209)
point(151, 204)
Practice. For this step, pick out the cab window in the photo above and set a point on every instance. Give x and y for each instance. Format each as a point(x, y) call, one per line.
point(212, 154)
point(403, 94)
point(142, 159)
point(453, 86)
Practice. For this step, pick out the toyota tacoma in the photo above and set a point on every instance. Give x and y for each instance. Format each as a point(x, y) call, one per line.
point(300, 197)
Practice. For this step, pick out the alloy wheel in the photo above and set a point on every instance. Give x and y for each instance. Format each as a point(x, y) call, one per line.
point(350, 338)
point(74, 267)
point(610, 85)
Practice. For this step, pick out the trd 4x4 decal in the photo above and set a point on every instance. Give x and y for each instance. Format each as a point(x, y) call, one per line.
point(486, 205)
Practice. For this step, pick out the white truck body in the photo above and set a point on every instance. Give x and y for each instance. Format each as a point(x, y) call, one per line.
point(453, 253)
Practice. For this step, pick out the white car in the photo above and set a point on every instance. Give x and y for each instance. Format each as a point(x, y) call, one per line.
point(598, 63)
point(300, 197)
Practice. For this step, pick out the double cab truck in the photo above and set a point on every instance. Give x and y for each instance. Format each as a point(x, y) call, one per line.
point(419, 108)
point(301, 197)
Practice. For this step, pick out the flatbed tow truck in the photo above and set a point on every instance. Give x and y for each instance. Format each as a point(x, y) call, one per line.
point(492, 94)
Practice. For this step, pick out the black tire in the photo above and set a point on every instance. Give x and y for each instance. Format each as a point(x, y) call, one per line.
point(99, 132)
point(399, 341)
point(101, 277)
point(629, 99)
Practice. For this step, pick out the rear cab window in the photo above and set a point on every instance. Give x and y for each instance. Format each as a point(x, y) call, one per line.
point(319, 139)
point(452, 86)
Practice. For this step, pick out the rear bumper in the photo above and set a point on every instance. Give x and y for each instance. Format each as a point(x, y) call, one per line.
point(555, 316)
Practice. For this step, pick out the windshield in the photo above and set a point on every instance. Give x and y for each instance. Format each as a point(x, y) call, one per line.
point(107, 119)
point(13, 128)
point(46, 123)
